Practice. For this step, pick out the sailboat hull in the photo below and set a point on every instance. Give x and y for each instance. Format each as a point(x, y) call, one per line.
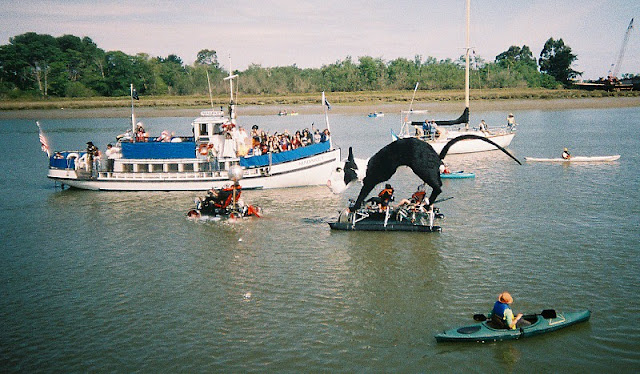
point(472, 145)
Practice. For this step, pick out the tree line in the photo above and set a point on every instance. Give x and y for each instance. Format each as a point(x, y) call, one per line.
point(40, 65)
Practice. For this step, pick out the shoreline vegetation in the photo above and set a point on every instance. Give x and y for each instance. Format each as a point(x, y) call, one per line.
point(448, 101)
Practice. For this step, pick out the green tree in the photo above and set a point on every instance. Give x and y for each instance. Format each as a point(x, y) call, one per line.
point(371, 72)
point(27, 60)
point(556, 59)
point(207, 57)
point(516, 55)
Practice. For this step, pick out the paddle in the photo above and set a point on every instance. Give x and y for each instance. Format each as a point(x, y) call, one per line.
point(443, 199)
point(479, 317)
point(546, 314)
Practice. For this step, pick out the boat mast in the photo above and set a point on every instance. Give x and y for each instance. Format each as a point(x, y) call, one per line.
point(232, 104)
point(466, 64)
point(413, 97)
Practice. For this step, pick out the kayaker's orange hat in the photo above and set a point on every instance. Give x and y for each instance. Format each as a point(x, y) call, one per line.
point(505, 297)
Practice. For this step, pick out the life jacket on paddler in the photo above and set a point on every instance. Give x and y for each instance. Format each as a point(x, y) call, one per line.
point(253, 211)
point(418, 197)
point(386, 195)
point(497, 315)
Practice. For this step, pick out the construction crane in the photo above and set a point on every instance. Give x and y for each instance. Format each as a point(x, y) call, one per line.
point(615, 68)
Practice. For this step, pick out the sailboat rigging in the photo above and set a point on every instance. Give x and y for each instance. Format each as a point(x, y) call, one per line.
point(437, 132)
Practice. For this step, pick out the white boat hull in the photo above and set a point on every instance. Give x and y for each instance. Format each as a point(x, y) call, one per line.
point(310, 171)
point(574, 159)
point(472, 145)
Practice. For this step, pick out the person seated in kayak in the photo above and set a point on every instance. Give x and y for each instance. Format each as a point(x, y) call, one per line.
point(565, 154)
point(444, 169)
point(416, 201)
point(384, 198)
point(502, 315)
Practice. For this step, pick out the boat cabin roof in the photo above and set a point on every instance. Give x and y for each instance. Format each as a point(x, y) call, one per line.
point(211, 116)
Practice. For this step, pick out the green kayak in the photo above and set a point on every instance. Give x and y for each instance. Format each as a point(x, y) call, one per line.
point(542, 323)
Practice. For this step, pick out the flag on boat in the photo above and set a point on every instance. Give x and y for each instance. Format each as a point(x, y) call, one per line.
point(394, 137)
point(325, 101)
point(44, 143)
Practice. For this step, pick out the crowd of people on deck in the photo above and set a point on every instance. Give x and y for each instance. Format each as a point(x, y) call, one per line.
point(238, 142)
point(262, 142)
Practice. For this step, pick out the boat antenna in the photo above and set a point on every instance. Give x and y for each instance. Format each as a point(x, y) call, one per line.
point(209, 84)
point(413, 97)
point(133, 117)
point(466, 64)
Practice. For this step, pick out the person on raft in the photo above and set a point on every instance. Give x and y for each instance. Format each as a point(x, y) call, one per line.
point(416, 201)
point(565, 154)
point(502, 315)
point(221, 198)
point(384, 198)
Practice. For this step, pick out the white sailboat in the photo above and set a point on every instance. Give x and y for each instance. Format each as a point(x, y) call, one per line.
point(438, 133)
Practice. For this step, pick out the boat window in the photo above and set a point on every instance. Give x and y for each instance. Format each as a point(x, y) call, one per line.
point(157, 168)
point(127, 168)
point(203, 129)
point(173, 168)
point(188, 167)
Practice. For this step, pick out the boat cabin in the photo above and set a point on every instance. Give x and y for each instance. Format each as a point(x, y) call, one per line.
point(210, 123)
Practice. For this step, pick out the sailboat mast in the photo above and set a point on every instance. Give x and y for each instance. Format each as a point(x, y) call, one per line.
point(209, 85)
point(466, 58)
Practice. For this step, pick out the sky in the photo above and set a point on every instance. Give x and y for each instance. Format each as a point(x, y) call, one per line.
point(311, 34)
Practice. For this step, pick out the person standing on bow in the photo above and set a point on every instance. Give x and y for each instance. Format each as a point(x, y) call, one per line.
point(92, 151)
point(511, 121)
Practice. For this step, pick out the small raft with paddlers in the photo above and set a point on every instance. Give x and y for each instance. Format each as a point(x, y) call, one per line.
point(406, 217)
point(486, 331)
point(225, 203)
point(389, 220)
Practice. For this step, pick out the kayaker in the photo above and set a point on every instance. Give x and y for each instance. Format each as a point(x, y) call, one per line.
point(502, 315)
point(565, 154)
point(444, 169)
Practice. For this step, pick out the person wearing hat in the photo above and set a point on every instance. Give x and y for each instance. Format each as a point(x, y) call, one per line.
point(565, 154)
point(92, 151)
point(502, 315)
point(511, 121)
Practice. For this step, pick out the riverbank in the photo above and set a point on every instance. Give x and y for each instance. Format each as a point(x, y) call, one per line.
point(343, 103)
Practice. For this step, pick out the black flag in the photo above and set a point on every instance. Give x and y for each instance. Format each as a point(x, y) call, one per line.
point(135, 95)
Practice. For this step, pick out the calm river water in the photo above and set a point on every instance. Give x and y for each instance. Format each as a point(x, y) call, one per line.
point(110, 281)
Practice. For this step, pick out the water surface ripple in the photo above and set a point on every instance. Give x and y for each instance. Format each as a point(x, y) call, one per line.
point(95, 281)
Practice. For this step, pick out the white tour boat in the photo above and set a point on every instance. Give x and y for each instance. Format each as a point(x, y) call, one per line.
point(186, 163)
point(439, 133)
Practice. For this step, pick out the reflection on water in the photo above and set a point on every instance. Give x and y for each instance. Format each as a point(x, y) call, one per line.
point(95, 281)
